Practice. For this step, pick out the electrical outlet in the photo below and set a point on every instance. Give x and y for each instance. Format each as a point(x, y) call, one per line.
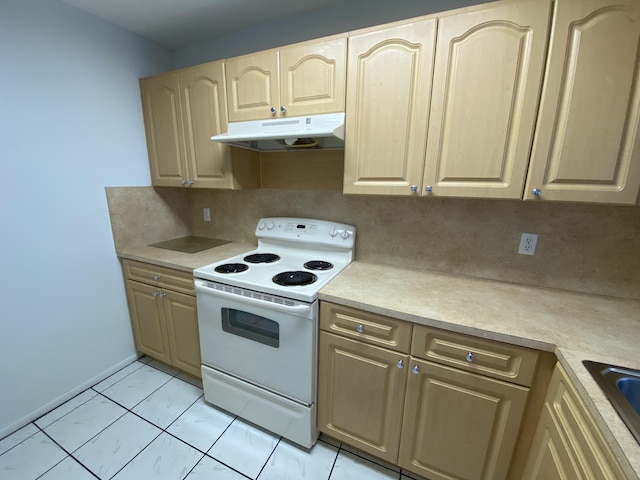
point(206, 213)
point(528, 243)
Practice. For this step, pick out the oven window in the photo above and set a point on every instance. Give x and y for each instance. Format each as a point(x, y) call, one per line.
point(253, 327)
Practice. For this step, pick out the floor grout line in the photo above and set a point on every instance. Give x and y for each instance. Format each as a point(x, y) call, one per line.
point(205, 454)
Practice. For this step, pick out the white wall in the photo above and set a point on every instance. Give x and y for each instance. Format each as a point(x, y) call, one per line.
point(352, 15)
point(70, 124)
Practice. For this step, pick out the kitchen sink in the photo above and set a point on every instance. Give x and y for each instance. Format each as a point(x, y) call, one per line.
point(621, 386)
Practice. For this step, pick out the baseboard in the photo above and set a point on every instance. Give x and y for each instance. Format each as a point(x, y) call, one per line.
point(8, 430)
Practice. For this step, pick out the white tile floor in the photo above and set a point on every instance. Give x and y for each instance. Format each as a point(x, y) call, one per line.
point(147, 421)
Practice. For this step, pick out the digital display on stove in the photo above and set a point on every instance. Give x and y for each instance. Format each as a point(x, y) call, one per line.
point(301, 228)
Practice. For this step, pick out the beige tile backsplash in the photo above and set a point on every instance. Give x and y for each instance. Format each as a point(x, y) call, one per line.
point(584, 248)
point(144, 215)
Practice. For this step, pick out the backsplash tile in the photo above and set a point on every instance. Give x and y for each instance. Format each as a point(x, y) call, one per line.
point(585, 248)
point(144, 215)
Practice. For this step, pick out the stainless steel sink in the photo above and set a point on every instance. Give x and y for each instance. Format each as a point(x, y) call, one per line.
point(622, 388)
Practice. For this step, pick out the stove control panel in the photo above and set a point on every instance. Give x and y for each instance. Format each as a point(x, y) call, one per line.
point(307, 230)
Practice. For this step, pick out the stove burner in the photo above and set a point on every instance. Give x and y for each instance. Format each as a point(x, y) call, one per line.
point(231, 268)
point(288, 279)
point(262, 258)
point(318, 265)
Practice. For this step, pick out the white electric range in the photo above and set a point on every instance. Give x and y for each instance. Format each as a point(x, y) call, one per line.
point(258, 322)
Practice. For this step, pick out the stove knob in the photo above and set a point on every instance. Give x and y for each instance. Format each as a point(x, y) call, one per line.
point(346, 234)
point(333, 232)
point(261, 226)
point(270, 226)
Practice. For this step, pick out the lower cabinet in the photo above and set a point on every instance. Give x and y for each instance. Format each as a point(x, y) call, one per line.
point(361, 394)
point(164, 321)
point(568, 444)
point(459, 424)
point(418, 411)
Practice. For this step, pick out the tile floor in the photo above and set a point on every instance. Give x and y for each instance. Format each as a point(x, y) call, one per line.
point(147, 421)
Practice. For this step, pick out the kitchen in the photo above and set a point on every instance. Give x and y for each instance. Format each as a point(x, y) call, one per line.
point(97, 105)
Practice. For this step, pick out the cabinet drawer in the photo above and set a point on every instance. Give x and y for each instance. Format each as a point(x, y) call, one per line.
point(162, 277)
point(367, 327)
point(486, 357)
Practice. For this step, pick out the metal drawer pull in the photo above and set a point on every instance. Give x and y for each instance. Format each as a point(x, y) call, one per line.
point(416, 370)
point(360, 328)
point(156, 277)
point(400, 364)
point(470, 357)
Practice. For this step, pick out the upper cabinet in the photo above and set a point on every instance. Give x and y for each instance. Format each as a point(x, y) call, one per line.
point(466, 134)
point(488, 71)
point(587, 145)
point(389, 85)
point(301, 79)
point(182, 111)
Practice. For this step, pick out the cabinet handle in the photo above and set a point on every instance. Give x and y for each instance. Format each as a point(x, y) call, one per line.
point(283, 109)
point(360, 328)
point(189, 183)
point(537, 192)
point(156, 277)
point(156, 294)
point(183, 182)
point(416, 370)
point(470, 357)
point(428, 188)
point(162, 295)
point(414, 188)
point(400, 364)
point(273, 110)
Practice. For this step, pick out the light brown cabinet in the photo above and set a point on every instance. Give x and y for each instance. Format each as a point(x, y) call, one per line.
point(182, 111)
point(568, 444)
point(301, 79)
point(362, 378)
point(468, 133)
point(587, 145)
point(389, 86)
point(164, 319)
point(489, 63)
point(449, 423)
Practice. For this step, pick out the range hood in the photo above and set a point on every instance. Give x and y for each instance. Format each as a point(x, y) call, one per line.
point(287, 134)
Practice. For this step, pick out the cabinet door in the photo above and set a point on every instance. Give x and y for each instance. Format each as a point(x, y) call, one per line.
point(313, 77)
point(163, 129)
point(488, 71)
point(458, 424)
point(147, 320)
point(204, 114)
point(587, 145)
point(549, 458)
point(388, 91)
point(182, 327)
point(361, 394)
point(252, 86)
point(584, 440)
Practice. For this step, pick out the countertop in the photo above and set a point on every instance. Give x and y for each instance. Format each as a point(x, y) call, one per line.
point(574, 326)
point(186, 262)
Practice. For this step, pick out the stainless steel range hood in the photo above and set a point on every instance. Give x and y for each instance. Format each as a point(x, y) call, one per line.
point(287, 134)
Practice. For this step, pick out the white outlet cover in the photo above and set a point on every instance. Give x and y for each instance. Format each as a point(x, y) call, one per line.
point(206, 213)
point(528, 243)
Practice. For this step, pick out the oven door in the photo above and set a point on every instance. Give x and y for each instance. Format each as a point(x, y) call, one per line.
point(272, 345)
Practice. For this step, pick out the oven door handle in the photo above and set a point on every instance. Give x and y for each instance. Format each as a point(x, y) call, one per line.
point(300, 310)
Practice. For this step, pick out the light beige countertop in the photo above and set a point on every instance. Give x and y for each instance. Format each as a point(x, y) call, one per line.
point(184, 261)
point(574, 326)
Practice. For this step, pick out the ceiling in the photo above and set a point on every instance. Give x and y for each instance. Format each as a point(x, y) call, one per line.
point(177, 23)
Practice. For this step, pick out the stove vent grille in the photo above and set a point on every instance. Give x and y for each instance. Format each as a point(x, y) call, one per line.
point(251, 294)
